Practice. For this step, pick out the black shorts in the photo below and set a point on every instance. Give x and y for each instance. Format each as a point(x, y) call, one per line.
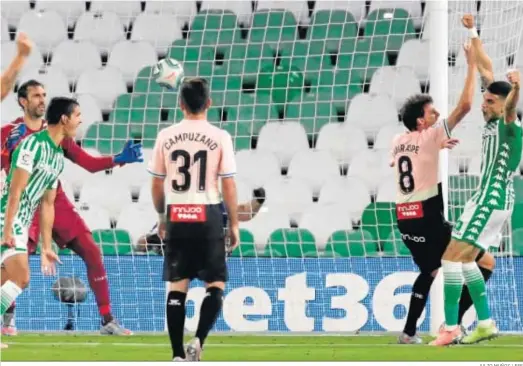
point(196, 249)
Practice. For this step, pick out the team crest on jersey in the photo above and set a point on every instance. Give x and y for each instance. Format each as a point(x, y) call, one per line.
point(188, 213)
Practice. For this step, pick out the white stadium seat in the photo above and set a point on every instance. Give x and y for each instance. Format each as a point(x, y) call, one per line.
point(244, 191)
point(387, 134)
point(5, 31)
point(415, 54)
point(456, 163)
point(350, 191)
point(387, 191)
point(257, 167)
point(356, 7)
point(323, 220)
point(75, 57)
point(470, 140)
point(130, 57)
point(264, 223)
point(75, 175)
point(91, 113)
point(126, 10)
point(413, 7)
point(68, 190)
point(104, 84)
point(370, 113)
point(242, 9)
point(314, 167)
point(184, 11)
point(46, 29)
point(298, 8)
point(158, 29)
point(342, 143)
point(283, 139)
point(54, 80)
point(12, 11)
point(398, 82)
point(103, 29)
point(474, 166)
point(372, 166)
point(113, 197)
point(8, 52)
point(68, 10)
point(96, 217)
point(290, 194)
point(137, 219)
point(10, 109)
point(132, 176)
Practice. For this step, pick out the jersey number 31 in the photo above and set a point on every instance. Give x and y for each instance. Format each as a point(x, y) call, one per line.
point(183, 183)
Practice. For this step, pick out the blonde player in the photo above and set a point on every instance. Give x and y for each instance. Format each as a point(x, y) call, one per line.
point(192, 155)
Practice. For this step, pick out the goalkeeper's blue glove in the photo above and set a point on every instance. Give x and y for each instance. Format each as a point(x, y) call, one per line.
point(131, 153)
point(15, 136)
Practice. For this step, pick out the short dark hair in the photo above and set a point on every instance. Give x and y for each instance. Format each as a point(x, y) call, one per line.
point(194, 94)
point(500, 88)
point(22, 89)
point(58, 107)
point(413, 108)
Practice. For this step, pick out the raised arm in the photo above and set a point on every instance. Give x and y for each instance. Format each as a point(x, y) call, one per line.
point(467, 95)
point(9, 75)
point(484, 63)
point(513, 97)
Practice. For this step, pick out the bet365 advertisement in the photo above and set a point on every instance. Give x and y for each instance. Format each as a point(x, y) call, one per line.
point(279, 295)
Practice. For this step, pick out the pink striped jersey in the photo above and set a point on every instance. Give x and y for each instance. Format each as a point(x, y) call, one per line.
point(192, 155)
point(415, 157)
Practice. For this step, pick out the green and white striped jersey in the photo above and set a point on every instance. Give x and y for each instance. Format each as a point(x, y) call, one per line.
point(44, 160)
point(500, 157)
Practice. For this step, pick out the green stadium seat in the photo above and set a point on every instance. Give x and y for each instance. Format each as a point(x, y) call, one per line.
point(65, 251)
point(145, 83)
point(517, 216)
point(107, 138)
point(330, 26)
point(312, 113)
point(461, 188)
point(284, 83)
point(346, 243)
point(215, 27)
point(379, 219)
point(214, 115)
point(253, 110)
point(391, 26)
point(191, 56)
point(240, 133)
point(248, 59)
point(517, 242)
point(293, 243)
point(361, 58)
point(518, 189)
point(113, 242)
point(246, 247)
point(337, 95)
point(141, 108)
point(273, 26)
point(394, 246)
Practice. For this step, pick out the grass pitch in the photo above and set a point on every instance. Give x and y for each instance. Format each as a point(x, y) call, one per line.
point(69, 347)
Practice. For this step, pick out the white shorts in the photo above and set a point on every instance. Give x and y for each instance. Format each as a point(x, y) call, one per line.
point(481, 225)
point(21, 236)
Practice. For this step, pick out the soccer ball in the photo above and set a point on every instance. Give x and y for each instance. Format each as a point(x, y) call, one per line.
point(168, 73)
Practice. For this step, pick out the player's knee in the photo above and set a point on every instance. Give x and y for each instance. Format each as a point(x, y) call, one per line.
point(487, 261)
point(215, 294)
point(21, 278)
point(216, 284)
point(179, 286)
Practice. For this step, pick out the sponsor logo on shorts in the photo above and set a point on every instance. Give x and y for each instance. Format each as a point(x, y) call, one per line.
point(416, 239)
point(412, 210)
point(188, 213)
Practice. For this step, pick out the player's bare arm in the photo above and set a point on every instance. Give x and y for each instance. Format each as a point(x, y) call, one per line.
point(24, 46)
point(484, 63)
point(467, 95)
point(48, 256)
point(230, 198)
point(18, 184)
point(158, 194)
point(511, 102)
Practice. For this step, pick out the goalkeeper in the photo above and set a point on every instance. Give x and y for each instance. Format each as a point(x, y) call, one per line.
point(69, 230)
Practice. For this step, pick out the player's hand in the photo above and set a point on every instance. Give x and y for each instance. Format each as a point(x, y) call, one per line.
point(8, 240)
point(514, 77)
point(468, 21)
point(131, 153)
point(24, 45)
point(15, 136)
point(469, 54)
point(48, 262)
point(449, 143)
point(162, 228)
point(234, 238)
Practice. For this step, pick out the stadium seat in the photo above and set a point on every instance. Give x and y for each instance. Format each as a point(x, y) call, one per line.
point(68, 10)
point(329, 26)
point(103, 29)
point(126, 10)
point(75, 57)
point(351, 192)
point(134, 176)
point(136, 109)
point(113, 197)
point(470, 140)
point(298, 8)
point(104, 84)
point(379, 219)
point(91, 113)
point(12, 11)
point(392, 26)
point(412, 7)
point(11, 110)
point(346, 243)
point(46, 29)
point(137, 219)
point(130, 57)
point(108, 138)
point(160, 30)
point(387, 191)
point(54, 80)
point(356, 7)
point(341, 142)
point(244, 59)
point(291, 243)
point(8, 52)
point(474, 166)
point(242, 9)
point(517, 242)
point(322, 221)
point(323, 163)
point(183, 10)
point(272, 27)
point(462, 187)
point(5, 37)
point(397, 82)
point(283, 139)
point(257, 167)
point(263, 224)
point(312, 113)
point(290, 195)
point(213, 27)
point(415, 54)
point(370, 113)
point(456, 164)
point(75, 175)
point(244, 191)
point(68, 190)
point(394, 245)
point(95, 217)
point(246, 247)
point(113, 242)
point(253, 111)
point(387, 133)
point(372, 166)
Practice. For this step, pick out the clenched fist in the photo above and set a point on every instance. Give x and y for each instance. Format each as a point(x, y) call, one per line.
point(513, 77)
point(24, 44)
point(468, 21)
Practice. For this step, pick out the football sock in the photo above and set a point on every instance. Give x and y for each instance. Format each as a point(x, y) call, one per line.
point(452, 286)
point(9, 316)
point(466, 301)
point(211, 306)
point(418, 299)
point(8, 295)
point(477, 289)
point(176, 321)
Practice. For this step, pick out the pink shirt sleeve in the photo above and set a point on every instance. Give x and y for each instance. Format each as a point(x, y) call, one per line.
point(227, 162)
point(157, 163)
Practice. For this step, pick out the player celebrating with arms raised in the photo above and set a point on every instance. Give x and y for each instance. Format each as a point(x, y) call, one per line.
point(193, 155)
point(485, 214)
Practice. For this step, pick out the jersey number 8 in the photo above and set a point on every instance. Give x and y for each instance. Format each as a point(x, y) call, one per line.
point(406, 180)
